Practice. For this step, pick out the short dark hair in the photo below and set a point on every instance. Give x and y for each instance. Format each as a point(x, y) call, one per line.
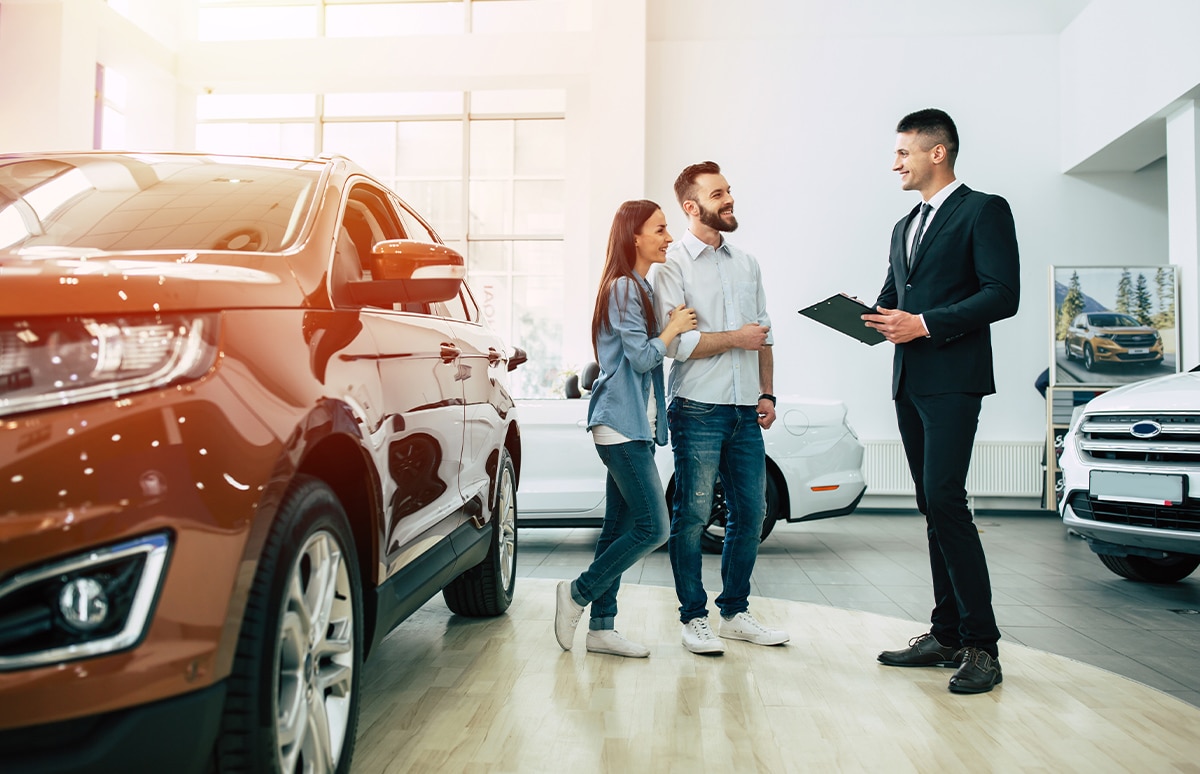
point(937, 125)
point(685, 184)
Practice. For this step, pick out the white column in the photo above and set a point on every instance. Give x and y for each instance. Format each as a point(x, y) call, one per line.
point(1183, 216)
point(48, 57)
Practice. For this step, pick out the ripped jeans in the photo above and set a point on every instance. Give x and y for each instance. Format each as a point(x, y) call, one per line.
point(709, 438)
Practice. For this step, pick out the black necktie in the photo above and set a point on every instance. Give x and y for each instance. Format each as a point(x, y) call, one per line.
point(926, 208)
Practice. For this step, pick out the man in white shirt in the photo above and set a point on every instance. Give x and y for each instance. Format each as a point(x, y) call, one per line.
point(720, 401)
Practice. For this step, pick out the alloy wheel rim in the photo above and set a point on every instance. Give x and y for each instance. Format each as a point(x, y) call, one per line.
point(314, 681)
point(507, 525)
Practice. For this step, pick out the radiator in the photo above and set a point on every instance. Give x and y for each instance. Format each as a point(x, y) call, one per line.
point(998, 469)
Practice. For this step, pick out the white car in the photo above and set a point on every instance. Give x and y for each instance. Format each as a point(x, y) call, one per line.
point(814, 465)
point(1131, 475)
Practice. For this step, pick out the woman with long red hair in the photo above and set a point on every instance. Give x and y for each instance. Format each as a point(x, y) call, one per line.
point(627, 417)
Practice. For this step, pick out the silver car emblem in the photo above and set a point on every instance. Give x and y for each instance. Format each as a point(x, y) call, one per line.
point(1146, 428)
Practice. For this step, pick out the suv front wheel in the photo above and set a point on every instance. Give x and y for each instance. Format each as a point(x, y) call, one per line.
point(292, 701)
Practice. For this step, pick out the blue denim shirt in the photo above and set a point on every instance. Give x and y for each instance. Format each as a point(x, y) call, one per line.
point(630, 367)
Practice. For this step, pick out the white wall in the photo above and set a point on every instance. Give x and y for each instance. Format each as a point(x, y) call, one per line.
point(48, 54)
point(804, 127)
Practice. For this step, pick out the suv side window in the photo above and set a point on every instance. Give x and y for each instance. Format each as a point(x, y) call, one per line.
point(413, 225)
point(461, 307)
point(367, 219)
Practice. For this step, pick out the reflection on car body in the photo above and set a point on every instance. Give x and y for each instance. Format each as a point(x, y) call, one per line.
point(814, 464)
point(1112, 337)
point(232, 456)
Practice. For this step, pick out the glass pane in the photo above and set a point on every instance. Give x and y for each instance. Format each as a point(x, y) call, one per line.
point(489, 257)
point(294, 140)
point(371, 144)
point(406, 103)
point(495, 303)
point(356, 21)
point(540, 148)
point(538, 207)
point(537, 328)
point(510, 101)
point(210, 106)
point(256, 23)
point(430, 149)
point(490, 208)
point(545, 258)
point(491, 149)
point(523, 16)
point(299, 140)
point(439, 202)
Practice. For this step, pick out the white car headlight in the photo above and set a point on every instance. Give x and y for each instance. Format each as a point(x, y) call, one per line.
point(60, 361)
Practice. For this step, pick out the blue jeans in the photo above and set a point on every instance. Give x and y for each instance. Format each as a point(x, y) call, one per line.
point(635, 523)
point(708, 439)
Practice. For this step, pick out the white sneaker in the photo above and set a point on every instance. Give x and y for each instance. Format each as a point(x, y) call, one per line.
point(610, 641)
point(699, 638)
point(566, 615)
point(743, 627)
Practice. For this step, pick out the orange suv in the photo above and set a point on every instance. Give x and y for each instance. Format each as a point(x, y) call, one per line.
point(250, 420)
point(1111, 337)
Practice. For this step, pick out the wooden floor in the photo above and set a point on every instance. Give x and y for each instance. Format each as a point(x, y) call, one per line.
point(449, 694)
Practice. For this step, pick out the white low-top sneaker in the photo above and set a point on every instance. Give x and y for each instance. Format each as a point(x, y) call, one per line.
point(610, 641)
point(699, 638)
point(566, 615)
point(743, 627)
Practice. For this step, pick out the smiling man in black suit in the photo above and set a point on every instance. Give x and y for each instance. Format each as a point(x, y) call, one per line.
point(953, 271)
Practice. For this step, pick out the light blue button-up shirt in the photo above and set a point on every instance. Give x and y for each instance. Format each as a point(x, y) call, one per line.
point(631, 372)
point(724, 286)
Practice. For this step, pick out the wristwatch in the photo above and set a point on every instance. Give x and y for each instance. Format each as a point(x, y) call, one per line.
point(767, 396)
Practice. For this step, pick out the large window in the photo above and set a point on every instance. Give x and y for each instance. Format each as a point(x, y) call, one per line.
point(281, 19)
point(486, 168)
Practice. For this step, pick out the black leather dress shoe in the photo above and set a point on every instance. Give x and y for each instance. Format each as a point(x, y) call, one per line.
point(923, 651)
point(979, 672)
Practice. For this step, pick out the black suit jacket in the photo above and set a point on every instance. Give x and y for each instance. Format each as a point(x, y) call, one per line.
point(965, 275)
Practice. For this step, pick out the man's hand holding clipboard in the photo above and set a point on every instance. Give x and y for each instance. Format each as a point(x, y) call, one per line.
point(847, 314)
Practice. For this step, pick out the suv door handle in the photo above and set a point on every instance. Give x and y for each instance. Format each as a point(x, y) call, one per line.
point(449, 352)
point(494, 356)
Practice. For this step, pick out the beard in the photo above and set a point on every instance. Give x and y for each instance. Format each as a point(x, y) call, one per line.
point(712, 219)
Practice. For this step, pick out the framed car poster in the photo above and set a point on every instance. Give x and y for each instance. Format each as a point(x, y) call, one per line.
point(1112, 325)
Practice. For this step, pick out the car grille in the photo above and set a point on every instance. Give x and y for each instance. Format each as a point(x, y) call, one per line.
point(1110, 437)
point(1184, 517)
point(1135, 339)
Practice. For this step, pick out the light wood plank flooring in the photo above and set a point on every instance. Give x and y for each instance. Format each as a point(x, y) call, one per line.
point(449, 694)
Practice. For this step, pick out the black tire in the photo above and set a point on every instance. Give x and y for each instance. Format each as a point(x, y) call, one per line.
point(1089, 357)
point(487, 588)
point(712, 539)
point(1169, 569)
point(293, 697)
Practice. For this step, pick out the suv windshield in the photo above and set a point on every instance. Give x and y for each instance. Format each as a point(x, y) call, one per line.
point(1112, 321)
point(121, 203)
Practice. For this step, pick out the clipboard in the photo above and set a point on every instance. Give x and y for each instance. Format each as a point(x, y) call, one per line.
point(844, 314)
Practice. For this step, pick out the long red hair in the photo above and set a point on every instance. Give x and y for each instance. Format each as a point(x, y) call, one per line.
point(619, 262)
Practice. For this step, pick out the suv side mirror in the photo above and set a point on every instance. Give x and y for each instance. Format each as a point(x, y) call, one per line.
point(405, 271)
point(517, 357)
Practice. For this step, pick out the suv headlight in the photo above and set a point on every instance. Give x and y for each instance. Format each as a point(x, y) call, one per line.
point(47, 362)
point(86, 605)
